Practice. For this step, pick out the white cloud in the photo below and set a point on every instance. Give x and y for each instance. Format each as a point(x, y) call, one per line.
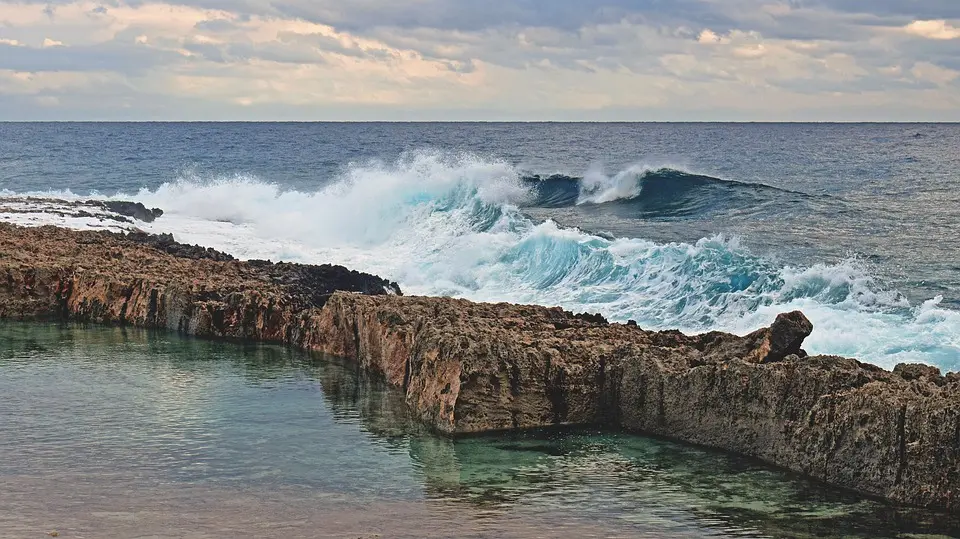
point(47, 42)
point(934, 73)
point(709, 37)
point(933, 29)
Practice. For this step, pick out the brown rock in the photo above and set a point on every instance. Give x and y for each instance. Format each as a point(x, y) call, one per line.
point(465, 367)
point(917, 372)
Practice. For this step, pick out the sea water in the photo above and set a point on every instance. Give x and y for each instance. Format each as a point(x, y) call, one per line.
point(109, 432)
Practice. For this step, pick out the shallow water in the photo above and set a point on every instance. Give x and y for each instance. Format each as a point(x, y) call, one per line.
point(108, 432)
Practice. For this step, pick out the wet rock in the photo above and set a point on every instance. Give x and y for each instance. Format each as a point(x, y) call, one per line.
point(319, 282)
point(594, 318)
point(167, 244)
point(103, 210)
point(131, 209)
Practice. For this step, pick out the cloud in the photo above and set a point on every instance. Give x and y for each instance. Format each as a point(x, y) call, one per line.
point(912, 9)
point(709, 37)
point(933, 29)
point(940, 76)
point(512, 59)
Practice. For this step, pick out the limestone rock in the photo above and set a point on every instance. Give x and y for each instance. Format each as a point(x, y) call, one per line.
point(465, 367)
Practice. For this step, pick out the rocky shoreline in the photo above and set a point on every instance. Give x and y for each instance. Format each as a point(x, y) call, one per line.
point(466, 367)
point(104, 210)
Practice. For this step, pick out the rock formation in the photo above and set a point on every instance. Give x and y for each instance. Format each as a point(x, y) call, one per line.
point(130, 209)
point(111, 210)
point(466, 368)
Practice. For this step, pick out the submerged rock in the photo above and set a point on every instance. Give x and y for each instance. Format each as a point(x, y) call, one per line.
point(466, 367)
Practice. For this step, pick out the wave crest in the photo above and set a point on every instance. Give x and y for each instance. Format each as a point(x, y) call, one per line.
point(659, 193)
point(454, 225)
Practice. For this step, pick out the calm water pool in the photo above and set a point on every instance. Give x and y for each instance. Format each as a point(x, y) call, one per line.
point(108, 432)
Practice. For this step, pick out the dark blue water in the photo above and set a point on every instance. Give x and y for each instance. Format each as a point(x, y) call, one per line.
point(695, 226)
point(108, 432)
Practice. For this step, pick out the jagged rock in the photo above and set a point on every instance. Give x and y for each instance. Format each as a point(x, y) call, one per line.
point(153, 281)
point(595, 318)
point(167, 244)
point(768, 345)
point(131, 209)
point(113, 210)
point(465, 367)
point(783, 338)
point(917, 372)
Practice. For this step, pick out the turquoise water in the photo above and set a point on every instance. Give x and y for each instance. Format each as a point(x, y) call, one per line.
point(152, 427)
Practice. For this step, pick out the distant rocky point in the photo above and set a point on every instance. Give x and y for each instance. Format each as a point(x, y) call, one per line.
point(130, 209)
point(467, 367)
point(101, 210)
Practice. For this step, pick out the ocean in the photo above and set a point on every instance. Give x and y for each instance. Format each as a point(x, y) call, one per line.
point(689, 226)
point(113, 432)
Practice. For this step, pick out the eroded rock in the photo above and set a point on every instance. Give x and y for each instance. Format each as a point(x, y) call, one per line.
point(465, 367)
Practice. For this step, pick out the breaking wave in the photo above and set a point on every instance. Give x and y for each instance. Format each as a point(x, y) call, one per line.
point(454, 225)
point(659, 193)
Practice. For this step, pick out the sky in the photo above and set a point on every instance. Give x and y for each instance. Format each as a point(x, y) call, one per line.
point(457, 60)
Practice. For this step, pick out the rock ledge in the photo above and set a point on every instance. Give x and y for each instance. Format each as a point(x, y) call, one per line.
point(466, 367)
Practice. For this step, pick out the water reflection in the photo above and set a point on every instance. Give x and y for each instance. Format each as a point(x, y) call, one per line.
point(112, 404)
point(622, 477)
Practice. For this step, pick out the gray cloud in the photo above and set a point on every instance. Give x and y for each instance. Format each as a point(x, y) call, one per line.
point(800, 48)
point(122, 58)
point(913, 9)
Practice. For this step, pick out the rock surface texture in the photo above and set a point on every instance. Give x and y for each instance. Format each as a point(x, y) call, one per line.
point(466, 367)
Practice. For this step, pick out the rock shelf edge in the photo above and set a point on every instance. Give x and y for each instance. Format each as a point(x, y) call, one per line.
point(468, 367)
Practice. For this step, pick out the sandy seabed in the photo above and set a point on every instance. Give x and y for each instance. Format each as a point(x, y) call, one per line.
point(90, 507)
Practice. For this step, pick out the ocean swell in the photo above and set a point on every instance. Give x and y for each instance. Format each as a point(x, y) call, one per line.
point(454, 225)
point(659, 193)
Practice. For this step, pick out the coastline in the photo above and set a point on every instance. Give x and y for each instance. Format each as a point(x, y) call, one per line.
point(466, 367)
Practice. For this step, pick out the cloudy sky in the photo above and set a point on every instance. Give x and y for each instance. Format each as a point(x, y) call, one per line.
point(758, 60)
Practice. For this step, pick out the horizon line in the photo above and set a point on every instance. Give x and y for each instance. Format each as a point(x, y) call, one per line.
point(799, 122)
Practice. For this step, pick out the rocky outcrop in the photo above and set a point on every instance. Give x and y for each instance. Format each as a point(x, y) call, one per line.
point(130, 209)
point(111, 210)
point(468, 368)
point(155, 282)
point(465, 367)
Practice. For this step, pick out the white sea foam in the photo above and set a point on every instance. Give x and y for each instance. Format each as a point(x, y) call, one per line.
point(598, 187)
point(451, 225)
